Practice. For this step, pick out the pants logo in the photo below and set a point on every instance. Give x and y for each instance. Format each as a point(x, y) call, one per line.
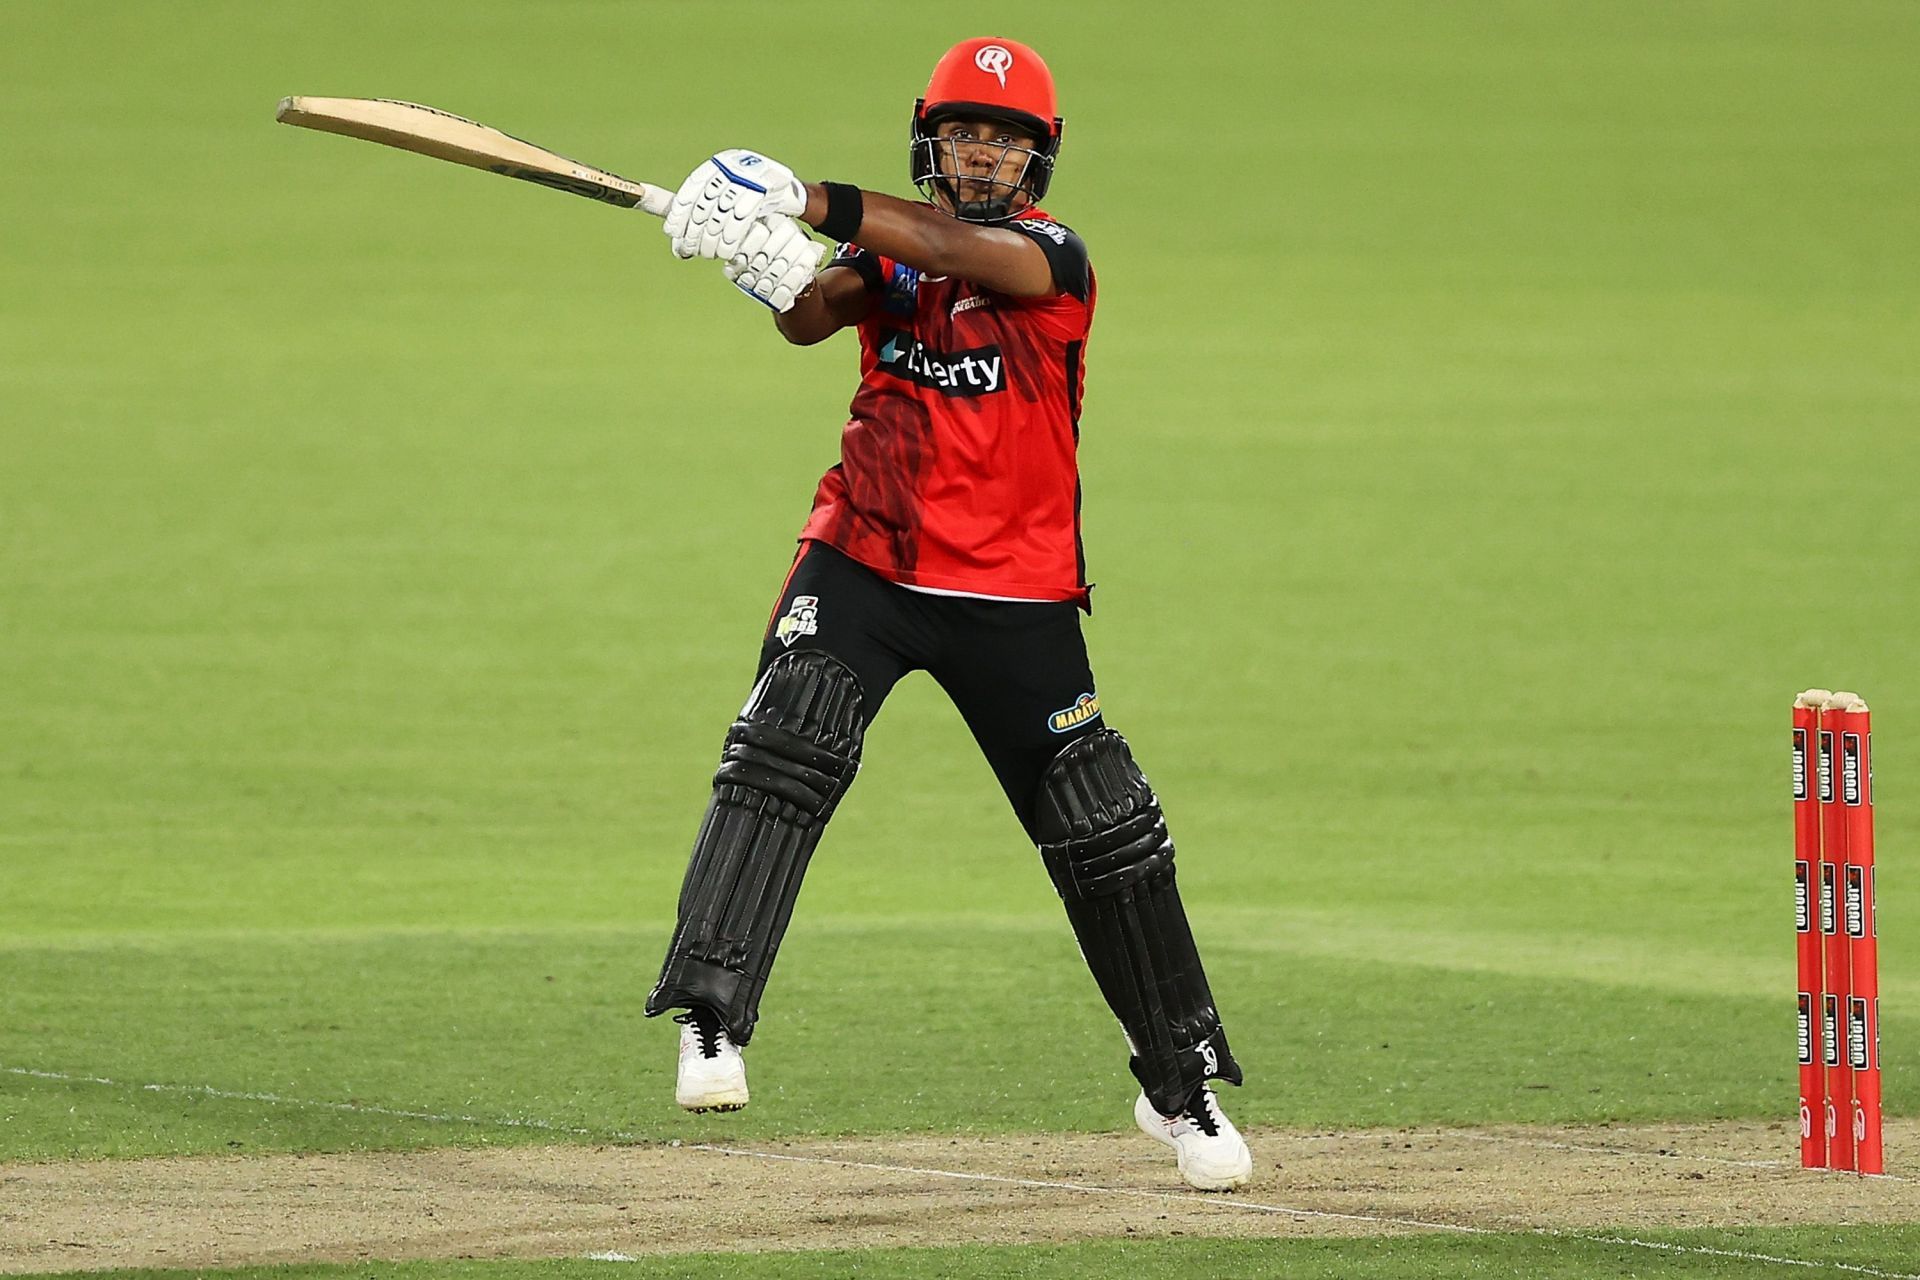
point(1084, 708)
point(802, 619)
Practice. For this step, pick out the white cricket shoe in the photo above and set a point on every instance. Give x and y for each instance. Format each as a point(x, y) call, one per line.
point(1212, 1154)
point(713, 1076)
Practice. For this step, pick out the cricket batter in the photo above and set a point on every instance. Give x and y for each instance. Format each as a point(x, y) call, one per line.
point(946, 540)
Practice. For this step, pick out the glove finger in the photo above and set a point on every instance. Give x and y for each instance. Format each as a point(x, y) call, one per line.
point(751, 294)
point(711, 245)
point(740, 221)
point(755, 241)
point(782, 299)
point(676, 220)
point(784, 232)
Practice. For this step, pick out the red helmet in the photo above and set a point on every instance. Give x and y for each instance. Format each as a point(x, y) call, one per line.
point(994, 79)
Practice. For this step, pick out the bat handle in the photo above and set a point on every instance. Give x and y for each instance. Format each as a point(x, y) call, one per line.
point(657, 200)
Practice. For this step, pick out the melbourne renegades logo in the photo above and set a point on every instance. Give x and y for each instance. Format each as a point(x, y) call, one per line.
point(1851, 792)
point(995, 60)
point(1802, 897)
point(1800, 764)
point(1806, 1029)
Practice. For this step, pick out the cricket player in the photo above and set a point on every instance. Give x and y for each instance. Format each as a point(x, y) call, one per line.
point(946, 540)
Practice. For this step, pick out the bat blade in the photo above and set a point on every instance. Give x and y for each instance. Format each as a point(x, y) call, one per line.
point(429, 131)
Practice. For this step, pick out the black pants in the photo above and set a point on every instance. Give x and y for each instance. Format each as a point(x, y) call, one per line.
point(1017, 671)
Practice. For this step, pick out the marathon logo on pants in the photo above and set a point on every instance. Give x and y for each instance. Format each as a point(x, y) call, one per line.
point(1084, 708)
point(977, 371)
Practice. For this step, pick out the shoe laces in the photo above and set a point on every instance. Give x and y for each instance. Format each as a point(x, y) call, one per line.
point(1204, 1112)
point(707, 1027)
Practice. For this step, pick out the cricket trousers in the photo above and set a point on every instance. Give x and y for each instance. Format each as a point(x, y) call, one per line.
point(1016, 671)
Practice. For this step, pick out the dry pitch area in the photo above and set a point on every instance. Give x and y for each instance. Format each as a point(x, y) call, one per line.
point(629, 1200)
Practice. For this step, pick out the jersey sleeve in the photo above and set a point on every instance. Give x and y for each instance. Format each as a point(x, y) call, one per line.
point(1066, 254)
point(864, 261)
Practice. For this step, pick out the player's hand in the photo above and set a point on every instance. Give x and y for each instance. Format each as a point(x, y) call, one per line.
point(776, 262)
point(720, 201)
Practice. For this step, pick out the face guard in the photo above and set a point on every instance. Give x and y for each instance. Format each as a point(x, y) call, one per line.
point(983, 196)
point(987, 78)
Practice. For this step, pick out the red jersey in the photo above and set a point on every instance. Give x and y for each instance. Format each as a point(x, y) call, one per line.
point(958, 468)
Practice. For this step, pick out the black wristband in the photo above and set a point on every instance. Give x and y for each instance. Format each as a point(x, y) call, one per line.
point(845, 210)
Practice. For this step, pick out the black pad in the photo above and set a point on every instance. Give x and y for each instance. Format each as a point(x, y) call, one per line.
point(1105, 843)
point(788, 759)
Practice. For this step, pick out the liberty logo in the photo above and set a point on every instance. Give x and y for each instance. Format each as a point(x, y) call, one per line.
point(973, 372)
point(996, 61)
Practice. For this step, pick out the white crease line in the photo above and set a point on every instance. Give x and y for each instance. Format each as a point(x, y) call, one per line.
point(1095, 1189)
point(1296, 1211)
point(1708, 1251)
point(274, 1099)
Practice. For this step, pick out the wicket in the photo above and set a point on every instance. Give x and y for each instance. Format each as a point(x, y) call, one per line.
point(1836, 925)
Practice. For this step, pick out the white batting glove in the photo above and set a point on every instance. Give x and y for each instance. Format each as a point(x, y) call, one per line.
point(721, 200)
point(776, 262)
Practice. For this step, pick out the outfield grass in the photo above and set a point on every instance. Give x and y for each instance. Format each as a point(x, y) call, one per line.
point(1722, 1255)
point(1495, 414)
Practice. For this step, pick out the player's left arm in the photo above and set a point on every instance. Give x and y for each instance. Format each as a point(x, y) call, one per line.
point(723, 199)
point(1004, 260)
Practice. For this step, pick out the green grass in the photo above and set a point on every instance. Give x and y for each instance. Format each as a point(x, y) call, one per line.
point(1570, 1257)
point(522, 1033)
point(1495, 414)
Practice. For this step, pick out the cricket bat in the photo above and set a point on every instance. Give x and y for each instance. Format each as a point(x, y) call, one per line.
point(430, 132)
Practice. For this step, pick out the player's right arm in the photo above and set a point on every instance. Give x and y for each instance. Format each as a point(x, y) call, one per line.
point(838, 298)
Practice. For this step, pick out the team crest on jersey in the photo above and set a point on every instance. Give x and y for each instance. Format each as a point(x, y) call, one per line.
point(903, 291)
point(801, 619)
point(1084, 708)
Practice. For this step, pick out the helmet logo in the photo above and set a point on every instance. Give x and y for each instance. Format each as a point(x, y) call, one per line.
point(994, 60)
